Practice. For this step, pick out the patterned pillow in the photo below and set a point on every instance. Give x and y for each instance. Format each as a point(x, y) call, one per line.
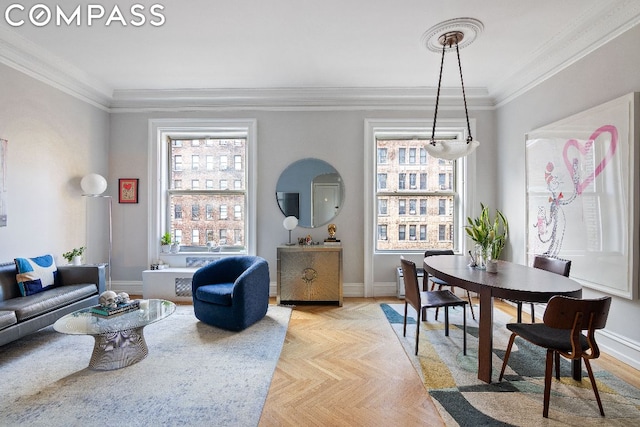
point(35, 274)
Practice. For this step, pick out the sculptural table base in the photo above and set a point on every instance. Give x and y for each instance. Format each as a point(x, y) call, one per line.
point(115, 350)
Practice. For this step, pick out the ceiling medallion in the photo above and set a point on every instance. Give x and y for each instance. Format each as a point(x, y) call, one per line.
point(468, 28)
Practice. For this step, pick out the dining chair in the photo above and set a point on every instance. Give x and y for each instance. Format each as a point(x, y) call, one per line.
point(561, 333)
point(441, 283)
point(554, 265)
point(422, 300)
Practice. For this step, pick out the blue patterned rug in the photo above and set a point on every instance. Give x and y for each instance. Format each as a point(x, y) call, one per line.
point(462, 399)
point(194, 375)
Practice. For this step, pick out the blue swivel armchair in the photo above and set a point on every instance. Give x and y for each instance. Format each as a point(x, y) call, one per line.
point(231, 293)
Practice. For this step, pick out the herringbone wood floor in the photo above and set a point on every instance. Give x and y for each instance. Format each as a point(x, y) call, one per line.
point(343, 366)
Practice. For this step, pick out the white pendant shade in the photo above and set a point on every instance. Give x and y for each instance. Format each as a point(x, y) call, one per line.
point(451, 150)
point(93, 184)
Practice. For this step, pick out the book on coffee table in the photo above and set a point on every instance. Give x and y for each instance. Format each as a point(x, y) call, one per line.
point(101, 311)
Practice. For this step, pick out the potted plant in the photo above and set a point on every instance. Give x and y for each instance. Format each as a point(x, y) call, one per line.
point(490, 235)
point(74, 256)
point(165, 242)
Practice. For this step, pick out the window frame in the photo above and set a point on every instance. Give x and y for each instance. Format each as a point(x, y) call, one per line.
point(159, 130)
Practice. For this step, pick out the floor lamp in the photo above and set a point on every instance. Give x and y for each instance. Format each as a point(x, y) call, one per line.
point(93, 185)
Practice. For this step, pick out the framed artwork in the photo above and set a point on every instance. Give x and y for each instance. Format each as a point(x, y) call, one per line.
point(128, 190)
point(3, 182)
point(582, 195)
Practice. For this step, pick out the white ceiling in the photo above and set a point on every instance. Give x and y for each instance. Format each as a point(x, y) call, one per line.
point(312, 45)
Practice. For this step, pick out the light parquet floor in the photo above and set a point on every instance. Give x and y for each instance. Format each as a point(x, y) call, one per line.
point(344, 366)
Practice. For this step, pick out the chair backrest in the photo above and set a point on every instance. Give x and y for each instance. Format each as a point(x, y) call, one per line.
point(554, 265)
point(578, 315)
point(411, 288)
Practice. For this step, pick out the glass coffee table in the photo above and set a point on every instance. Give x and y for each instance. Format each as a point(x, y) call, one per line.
point(119, 340)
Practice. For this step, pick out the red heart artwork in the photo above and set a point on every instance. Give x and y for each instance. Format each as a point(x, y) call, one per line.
point(583, 149)
point(127, 186)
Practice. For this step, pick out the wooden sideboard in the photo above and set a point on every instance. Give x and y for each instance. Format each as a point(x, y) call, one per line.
point(310, 274)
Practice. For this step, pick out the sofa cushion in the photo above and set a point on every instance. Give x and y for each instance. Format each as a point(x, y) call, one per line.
point(7, 318)
point(35, 274)
point(48, 300)
point(220, 293)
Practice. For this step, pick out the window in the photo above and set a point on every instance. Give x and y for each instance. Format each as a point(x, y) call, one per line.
point(382, 181)
point(382, 155)
point(382, 206)
point(442, 229)
point(382, 232)
point(187, 199)
point(423, 190)
point(402, 178)
point(442, 206)
point(223, 184)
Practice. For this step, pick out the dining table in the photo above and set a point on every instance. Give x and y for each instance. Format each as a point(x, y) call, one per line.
point(512, 281)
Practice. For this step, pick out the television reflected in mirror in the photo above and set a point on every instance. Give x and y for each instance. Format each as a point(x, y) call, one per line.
point(312, 191)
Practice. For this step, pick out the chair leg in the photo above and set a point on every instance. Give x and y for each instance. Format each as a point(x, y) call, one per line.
point(533, 314)
point(593, 384)
point(446, 320)
point(547, 383)
point(464, 329)
point(519, 305)
point(473, 314)
point(437, 308)
point(557, 365)
point(506, 355)
point(417, 329)
point(404, 329)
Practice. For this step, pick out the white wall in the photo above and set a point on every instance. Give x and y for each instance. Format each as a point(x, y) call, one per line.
point(54, 140)
point(606, 74)
point(283, 137)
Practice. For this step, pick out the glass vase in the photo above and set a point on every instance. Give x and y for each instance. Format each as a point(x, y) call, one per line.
point(482, 256)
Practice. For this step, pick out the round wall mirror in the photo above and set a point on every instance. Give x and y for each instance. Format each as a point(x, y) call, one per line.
point(311, 190)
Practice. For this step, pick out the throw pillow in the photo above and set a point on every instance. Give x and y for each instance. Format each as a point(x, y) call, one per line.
point(35, 274)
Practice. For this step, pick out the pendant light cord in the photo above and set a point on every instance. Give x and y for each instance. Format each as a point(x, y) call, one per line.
point(464, 96)
point(435, 114)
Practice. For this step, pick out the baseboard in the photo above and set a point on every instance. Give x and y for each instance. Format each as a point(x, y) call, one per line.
point(619, 347)
point(349, 290)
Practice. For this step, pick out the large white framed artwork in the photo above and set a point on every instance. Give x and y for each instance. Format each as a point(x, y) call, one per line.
point(582, 185)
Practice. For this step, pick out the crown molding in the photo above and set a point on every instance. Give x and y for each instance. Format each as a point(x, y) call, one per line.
point(594, 28)
point(30, 59)
point(283, 99)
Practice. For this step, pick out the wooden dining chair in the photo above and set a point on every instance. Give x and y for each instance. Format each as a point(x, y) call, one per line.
point(561, 334)
point(554, 265)
point(441, 283)
point(422, 300)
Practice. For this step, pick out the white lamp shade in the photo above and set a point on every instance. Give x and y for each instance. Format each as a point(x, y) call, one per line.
point(93, 184)
point(451, 150)
point(290, 222)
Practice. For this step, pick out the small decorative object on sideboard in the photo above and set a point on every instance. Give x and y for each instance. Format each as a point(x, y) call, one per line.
point(74, 256)
point(331, 240)
point(165, 243)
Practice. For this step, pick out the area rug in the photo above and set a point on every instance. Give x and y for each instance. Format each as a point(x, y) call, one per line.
point(462, 399)
point(194, 375)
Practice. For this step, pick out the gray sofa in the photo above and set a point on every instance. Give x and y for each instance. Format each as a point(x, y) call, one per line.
point(77, 287)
